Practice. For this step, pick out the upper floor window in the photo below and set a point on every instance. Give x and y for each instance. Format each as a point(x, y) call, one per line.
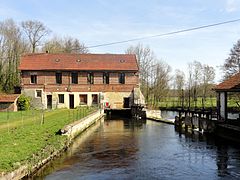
point(105, 78)
point(74, 76)
point(33, 79)
point(121, 78)
point(59, 78)
point(90, 78)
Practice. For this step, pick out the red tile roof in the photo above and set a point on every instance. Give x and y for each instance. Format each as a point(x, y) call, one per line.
point(230, 84)
point(64, 61)
point(8, 97)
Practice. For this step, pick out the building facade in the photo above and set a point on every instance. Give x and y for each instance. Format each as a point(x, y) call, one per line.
point(71, 80)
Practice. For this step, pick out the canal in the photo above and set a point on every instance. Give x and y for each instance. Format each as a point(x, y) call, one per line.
point(125, 149)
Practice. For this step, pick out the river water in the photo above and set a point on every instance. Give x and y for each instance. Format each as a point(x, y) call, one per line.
point(125, 149)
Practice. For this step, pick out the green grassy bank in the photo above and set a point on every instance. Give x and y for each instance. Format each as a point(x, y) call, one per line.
point(26, 137)
point(174, 102)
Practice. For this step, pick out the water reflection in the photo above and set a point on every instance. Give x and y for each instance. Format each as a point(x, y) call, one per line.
point(222, 160)
point(226, 154)
point(128, 149)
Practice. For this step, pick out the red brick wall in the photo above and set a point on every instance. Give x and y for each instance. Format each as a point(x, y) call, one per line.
point(82, 77)
point(113, 78)
point(98, 78)
point(47, 80)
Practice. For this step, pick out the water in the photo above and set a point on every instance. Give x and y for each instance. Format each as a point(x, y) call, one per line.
point(169, 115)
point(123, 149)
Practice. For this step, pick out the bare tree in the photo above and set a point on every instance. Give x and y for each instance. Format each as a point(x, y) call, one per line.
point(161, 77)
point(35, 31)
point(208, 78)
point(145, 57)
point(179, 81)
point(11, 47)
point(232, 63)
point(67, 45)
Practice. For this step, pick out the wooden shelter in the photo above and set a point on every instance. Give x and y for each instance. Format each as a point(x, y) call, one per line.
point(231, 85)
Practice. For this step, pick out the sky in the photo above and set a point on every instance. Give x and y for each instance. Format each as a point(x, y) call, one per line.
point(104, 21)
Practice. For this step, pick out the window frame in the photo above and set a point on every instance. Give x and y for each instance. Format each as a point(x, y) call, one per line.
point(121, 78)
point(106, 78)
point(61, 98)
point(74, 77)
point(97, 99)
point(37, 91)
point(58, 76)
point(90, 78)
point(85, 97)
point(33, 79)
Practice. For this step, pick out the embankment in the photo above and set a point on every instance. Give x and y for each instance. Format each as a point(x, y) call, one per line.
point(71, 131)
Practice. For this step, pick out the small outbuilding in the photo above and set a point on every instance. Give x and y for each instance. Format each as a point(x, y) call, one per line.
point(231, 85)
point(8, 102)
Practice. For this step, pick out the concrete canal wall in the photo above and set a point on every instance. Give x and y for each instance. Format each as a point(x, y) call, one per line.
point(155, 115)
point(77, 127)
point(72, 130)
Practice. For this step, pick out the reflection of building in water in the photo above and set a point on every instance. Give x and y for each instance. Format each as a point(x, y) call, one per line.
point(222, 160)
point(112, 147)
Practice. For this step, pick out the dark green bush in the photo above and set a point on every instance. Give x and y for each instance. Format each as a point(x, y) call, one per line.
point(24, 103)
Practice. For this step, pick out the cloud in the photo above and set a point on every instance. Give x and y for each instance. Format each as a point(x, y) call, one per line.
point(232, 6)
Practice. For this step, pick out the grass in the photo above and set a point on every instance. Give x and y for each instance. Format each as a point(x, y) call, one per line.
point(209, 103)
point(26, 139)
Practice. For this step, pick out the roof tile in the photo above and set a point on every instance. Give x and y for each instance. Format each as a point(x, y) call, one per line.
point(8, 97)
point(231, 83)
point(66, 61)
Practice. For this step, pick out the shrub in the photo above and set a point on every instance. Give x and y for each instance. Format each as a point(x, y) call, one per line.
point(24, 103)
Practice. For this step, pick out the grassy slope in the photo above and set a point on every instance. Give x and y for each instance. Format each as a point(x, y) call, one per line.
point(24, 139)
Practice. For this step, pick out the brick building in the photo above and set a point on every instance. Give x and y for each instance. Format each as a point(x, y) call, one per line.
point(70, 80)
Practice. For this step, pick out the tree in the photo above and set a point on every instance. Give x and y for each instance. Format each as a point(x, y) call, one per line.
point(35, 31)
point(232, 63)
point(12, 46)
point(179, 81)
point(145, 57)
point(67, 45)
point(161, 77)
point(200, 81)
point(208, 78)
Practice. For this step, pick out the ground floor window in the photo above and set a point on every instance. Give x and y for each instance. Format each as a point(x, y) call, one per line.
point(61, 98)
point(83, 99)
point(94, 99)
point(38, 93)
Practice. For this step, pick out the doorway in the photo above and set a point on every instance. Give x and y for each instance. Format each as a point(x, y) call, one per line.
point(126, 102)
point(49, 101)
point(71, 101)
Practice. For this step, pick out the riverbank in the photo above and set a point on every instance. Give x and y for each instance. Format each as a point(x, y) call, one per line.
point(30, 139)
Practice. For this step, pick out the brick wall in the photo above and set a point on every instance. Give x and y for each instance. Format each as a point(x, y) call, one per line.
point(47, 81)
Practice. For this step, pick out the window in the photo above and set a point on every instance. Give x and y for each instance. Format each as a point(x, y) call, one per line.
point(38, 93)
point(61, 98)
point(33, 79)
point(59, 78)
point(74, 78)
point(105, 78)
point(121, 78)
point(83, 99)
point(90, 78)
point(94, 99)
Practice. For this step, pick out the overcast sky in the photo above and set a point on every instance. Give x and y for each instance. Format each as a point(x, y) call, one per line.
point(96, 22)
